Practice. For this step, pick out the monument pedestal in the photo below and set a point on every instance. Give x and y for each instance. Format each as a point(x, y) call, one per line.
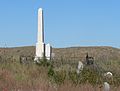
point(40, 50)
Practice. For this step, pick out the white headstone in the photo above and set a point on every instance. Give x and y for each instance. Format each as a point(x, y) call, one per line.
point(108, 74)
point(48, 50)
point(80, 67)
point(106, 86)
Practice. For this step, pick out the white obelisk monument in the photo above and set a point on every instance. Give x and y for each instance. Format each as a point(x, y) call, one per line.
point(42, 50)
point(40, 46)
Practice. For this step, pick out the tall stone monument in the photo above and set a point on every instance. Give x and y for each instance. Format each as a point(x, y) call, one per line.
point(42, 50)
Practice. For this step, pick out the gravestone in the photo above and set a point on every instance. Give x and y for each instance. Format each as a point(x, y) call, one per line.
point(80, 67)
point(48, 51)
point(89, 60)
point(106, 86)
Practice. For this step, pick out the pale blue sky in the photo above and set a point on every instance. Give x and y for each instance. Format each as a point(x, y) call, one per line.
point(67, 22)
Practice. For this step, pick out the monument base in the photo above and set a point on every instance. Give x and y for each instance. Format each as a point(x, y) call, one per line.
point(37, 59)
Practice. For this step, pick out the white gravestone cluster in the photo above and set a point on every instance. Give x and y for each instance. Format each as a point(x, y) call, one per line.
point(42, 50)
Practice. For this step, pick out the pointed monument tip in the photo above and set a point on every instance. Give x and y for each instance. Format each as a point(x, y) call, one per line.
point(40, 9)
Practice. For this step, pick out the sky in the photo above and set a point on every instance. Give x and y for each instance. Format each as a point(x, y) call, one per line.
point(67, 23)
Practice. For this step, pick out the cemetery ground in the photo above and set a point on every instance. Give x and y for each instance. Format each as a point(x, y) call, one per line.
point(18, 72)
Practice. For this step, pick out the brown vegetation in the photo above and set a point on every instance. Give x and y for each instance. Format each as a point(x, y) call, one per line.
point(60, 74)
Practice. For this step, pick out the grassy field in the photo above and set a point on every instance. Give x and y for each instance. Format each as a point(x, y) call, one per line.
point(60, 73)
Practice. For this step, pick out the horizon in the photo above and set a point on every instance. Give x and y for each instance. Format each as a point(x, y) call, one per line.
point(67, 23)
point(62, 47)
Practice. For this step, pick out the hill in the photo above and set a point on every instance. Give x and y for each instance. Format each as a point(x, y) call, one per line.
point(106, 58)
point(15, 76)
point(99, 53)
point(71, 53)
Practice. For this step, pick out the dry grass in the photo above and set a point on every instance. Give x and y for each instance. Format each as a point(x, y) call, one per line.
point(16, 76)
point(30, 77)
point(19, 76)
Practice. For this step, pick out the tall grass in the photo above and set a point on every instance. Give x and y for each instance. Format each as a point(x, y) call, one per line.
point(47, 77)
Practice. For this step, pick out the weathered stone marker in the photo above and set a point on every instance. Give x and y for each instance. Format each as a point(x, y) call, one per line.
point(80, 67)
